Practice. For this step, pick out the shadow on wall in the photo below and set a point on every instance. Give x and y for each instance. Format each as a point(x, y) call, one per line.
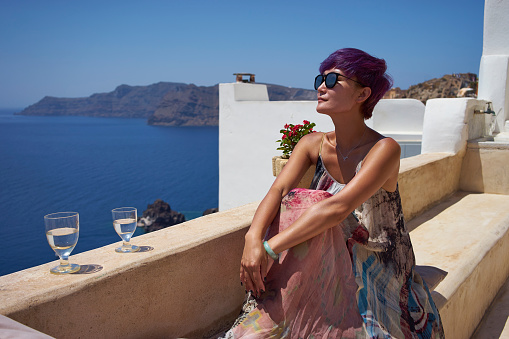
point(471, 179)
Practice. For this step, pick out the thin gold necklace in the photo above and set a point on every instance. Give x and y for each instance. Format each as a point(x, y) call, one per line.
point(346, 156)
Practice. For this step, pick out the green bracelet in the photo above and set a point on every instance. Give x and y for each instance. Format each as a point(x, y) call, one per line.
point(270, 251)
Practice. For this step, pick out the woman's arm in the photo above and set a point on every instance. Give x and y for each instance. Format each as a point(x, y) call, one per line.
point(254, 265)
point(380, 166)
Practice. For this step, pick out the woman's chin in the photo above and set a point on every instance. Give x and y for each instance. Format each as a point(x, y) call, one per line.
point(321, 110)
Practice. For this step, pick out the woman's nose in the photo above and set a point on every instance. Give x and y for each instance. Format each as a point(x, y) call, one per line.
point(322, 87)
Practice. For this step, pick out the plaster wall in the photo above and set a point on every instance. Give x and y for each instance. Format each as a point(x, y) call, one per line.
point(481, 168)
point(496, 27)
point(426, 179)
point(401, 118)
point(248, 131)
point(493, 72)
point(494, 87)
point(249, 126)
point(449, 123)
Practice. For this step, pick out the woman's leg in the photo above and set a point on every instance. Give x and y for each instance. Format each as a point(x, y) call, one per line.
point(311, 288)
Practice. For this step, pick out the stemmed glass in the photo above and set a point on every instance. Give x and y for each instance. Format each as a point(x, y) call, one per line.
point(124, 222)
point(62, 231)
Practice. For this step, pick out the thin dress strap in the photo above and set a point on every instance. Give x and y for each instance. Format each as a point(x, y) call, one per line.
point(321, 143)
point(320, 154)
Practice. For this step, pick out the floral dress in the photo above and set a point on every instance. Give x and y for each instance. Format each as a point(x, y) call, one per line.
point(355, 280)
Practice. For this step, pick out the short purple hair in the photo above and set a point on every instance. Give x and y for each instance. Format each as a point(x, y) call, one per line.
point(368, 70)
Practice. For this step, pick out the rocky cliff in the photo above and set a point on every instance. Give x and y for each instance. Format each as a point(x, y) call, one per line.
point(164, 103)
point(159, 215)
point(125, 101)
point(448, 86)
point(188, 105)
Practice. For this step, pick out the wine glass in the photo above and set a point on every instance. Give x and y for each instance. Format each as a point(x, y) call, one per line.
point(62, 231)
point(124, 222)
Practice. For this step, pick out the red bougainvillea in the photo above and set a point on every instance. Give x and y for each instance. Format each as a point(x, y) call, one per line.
point(292, 134)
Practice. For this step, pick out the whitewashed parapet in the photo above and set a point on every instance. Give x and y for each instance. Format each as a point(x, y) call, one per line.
point(399, 118)
point(449, 123)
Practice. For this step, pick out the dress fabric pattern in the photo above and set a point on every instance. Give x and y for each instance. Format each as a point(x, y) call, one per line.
point(355, 280)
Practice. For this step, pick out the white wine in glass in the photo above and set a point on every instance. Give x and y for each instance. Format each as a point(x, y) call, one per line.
point(62, 232)
point(124, 222)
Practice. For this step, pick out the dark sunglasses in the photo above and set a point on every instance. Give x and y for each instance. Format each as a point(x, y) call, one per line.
point(331, 80)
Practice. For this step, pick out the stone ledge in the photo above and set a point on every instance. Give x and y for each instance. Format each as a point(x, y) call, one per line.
point(187, 284)
point(426, 179)
point(467, 236)
point(485, 168)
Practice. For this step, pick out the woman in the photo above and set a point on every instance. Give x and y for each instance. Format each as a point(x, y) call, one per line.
point(319, 273)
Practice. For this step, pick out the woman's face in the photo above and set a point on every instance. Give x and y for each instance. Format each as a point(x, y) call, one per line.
point(341, 98)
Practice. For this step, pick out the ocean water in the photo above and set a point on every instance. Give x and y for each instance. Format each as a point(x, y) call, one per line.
point(92, 165)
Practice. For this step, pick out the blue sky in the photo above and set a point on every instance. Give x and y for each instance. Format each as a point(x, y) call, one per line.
point(77, 48)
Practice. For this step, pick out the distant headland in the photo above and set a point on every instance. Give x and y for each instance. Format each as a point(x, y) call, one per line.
point(163, 103)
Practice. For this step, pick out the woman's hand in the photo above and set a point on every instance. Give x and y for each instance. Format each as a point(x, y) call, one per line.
point(254, 265)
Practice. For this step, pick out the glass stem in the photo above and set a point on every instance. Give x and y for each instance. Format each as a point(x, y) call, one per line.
point(64, 261)
point(126, 244)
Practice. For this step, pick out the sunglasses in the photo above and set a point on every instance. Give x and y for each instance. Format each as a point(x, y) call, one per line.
point(331, 80)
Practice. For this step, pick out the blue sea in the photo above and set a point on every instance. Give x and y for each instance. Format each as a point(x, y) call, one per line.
point(92, 165)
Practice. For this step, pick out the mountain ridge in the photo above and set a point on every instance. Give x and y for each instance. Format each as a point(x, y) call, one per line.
point(162, 103)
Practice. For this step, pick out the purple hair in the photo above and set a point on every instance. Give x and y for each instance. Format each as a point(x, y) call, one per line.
point(368, 70)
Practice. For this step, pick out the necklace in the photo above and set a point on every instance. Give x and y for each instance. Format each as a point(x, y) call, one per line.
point(346, 156)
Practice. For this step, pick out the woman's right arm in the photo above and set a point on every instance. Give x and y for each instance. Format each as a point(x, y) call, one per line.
point(254, 263)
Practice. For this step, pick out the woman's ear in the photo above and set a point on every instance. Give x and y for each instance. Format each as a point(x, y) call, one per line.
point(364, 94)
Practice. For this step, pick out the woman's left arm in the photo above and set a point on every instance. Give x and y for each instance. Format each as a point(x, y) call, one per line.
point(379, 168)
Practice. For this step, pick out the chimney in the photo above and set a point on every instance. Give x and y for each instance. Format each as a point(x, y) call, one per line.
point(239, 77)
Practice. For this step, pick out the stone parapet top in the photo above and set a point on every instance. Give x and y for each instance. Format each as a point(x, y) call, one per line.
point(38, 281)
point(486, 143)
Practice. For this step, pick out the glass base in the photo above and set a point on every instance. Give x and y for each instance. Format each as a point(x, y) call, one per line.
point(125, 249)
point(71, 268)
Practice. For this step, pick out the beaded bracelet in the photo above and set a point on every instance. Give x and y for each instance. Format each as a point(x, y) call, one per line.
point(270, 251)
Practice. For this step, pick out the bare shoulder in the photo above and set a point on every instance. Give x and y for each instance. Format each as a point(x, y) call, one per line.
point(388, 145)
point(309, 146)
point(386, 148)
point(311, 141)
point(313, 137)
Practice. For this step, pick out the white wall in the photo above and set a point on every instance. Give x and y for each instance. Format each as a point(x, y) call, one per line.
point(249, 126)
point(494, 68)
point(248, 131)
point(449, 123)
point(496, 27)
point(400, 119)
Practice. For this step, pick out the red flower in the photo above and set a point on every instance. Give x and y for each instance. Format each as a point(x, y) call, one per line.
point(306, 122)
